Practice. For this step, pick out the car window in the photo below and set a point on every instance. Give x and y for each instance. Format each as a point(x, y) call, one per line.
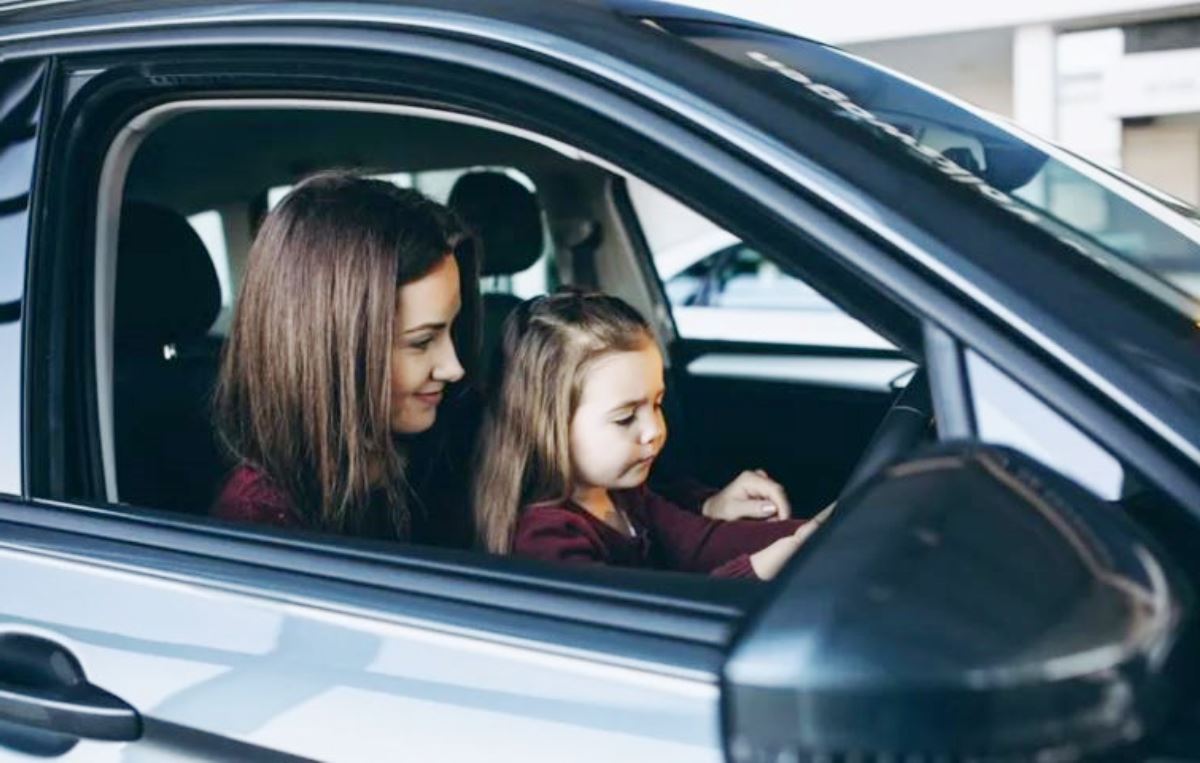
point(20, 109)
point(1008, 414)
point(209, 226)
point(720, 288)
point(1152, 245)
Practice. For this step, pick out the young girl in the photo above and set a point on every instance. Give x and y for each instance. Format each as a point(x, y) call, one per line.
point(340, 392)
point(570, 439)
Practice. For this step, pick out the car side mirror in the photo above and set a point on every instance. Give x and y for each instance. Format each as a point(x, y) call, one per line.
point(968, 603)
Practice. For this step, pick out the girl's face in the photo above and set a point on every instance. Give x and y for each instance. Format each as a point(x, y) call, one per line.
point(618, 428)
point(423, 356)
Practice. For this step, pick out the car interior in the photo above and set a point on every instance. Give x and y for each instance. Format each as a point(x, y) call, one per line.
point(198, 181)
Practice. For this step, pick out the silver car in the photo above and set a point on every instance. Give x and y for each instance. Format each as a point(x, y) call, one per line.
point(1012, 438)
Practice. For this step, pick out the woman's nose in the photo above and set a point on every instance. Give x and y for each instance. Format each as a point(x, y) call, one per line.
point(448, 368)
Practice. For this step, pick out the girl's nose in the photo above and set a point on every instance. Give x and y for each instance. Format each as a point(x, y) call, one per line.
point(651, 430)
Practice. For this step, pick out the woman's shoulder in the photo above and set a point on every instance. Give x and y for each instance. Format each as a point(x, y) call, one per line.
point(250, 496)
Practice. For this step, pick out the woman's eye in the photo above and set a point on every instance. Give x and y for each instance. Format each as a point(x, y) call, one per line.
point(627, 421)
point(422, 344)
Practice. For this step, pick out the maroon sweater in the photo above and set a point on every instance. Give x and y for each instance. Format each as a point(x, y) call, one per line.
point(668, 537)
point(250, 496)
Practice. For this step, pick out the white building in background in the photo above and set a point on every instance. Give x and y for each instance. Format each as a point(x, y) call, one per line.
point(1115, 80)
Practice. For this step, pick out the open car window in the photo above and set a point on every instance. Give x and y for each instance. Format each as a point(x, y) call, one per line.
point(161, 450)
point(721, 288)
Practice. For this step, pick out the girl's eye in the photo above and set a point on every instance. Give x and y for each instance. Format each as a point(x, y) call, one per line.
point(627, 421)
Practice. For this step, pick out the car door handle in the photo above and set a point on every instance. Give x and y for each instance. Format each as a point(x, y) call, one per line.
point(43, 687)
point(83, 711)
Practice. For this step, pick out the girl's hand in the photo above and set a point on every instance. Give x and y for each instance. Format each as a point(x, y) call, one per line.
point(768, 562)
point(752, 495)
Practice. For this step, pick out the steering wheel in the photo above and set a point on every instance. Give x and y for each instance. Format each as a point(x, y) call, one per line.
point(901, 430)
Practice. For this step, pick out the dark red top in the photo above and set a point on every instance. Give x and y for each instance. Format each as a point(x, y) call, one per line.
point(436, 470)
point(667, 537)
point(250, 496)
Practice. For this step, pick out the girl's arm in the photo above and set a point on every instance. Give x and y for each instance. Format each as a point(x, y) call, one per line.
point(751, 495)
point(692, 543)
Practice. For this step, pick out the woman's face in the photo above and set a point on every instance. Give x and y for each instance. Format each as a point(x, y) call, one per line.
point(423, 357)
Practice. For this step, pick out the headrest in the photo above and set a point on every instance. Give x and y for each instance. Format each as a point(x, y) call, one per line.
point(506, 217)
point(167, 288)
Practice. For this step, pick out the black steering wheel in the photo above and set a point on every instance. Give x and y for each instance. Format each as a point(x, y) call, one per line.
point(901, 430)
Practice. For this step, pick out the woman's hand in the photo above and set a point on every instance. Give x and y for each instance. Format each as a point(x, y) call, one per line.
point(752, 495)
point(768, 562)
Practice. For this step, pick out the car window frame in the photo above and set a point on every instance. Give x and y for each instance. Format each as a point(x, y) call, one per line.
point(849, 247)
point(691, 599)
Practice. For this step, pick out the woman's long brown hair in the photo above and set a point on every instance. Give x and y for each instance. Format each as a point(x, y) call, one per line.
point(303, 389)
point(524, 452)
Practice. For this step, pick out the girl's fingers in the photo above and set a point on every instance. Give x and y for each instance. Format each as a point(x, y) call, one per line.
point(805, 530)
point(824, 514)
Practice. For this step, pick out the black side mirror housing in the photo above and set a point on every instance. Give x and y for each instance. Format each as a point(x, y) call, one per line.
point(967, 603)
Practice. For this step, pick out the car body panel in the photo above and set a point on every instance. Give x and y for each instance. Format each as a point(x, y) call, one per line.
point(270, 661)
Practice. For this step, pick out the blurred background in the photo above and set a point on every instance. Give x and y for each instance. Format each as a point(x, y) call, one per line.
point(1117, 81)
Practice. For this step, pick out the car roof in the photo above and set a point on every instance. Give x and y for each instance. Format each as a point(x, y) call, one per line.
point(64, 12)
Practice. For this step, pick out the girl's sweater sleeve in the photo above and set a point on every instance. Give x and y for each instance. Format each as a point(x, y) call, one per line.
point(692, 543)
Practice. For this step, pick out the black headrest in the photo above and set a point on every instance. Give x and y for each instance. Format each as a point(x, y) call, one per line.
point(167, 288)
point(506, 217)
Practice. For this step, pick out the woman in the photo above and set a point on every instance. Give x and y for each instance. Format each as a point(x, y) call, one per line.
point(341, 391)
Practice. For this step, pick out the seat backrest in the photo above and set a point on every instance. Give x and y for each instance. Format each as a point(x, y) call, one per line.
point(164, 367)
point(506, 218)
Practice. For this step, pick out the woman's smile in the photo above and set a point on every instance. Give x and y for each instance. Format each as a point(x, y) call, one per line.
point(430, 399)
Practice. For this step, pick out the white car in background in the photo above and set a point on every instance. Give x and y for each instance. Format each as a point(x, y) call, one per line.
point(723, 290)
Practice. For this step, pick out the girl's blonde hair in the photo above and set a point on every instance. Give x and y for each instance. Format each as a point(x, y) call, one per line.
point(303, 393)
point(524, 450)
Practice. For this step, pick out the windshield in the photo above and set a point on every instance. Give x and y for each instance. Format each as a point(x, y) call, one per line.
point(1141, 235)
